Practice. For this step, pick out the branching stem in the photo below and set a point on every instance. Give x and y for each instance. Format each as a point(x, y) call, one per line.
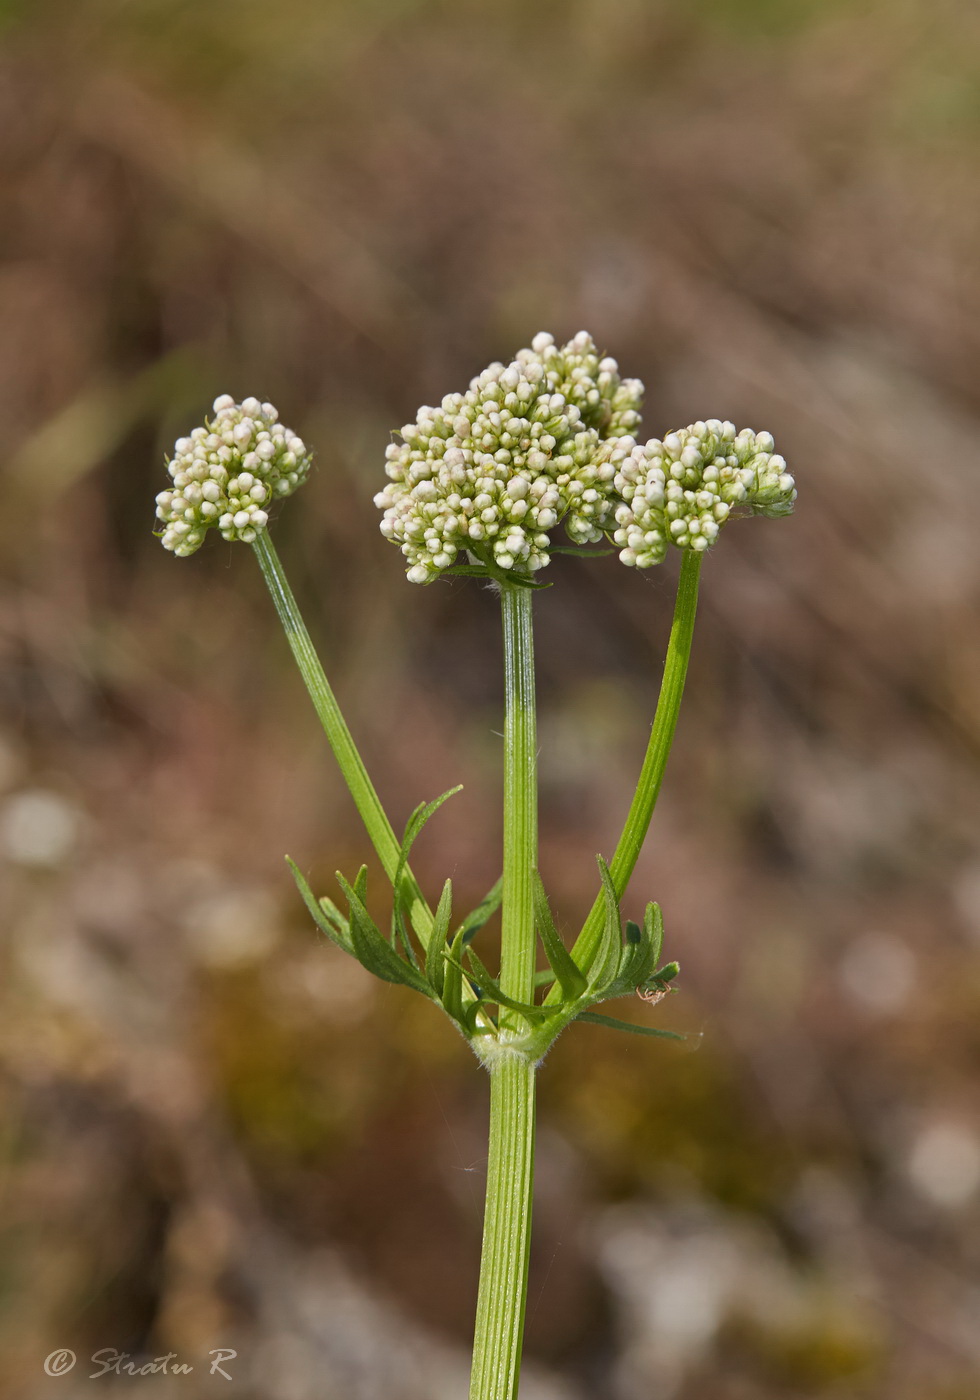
point(366, 799)
point(658, 751)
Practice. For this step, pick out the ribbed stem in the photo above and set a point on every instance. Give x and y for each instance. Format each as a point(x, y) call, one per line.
point(506, 1232)
point(658, 751)
point(510, 1166)
point(366, 799)
point(520, 799)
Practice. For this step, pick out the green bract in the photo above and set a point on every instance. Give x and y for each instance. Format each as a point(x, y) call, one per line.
point(445, 967)
point(228, 473)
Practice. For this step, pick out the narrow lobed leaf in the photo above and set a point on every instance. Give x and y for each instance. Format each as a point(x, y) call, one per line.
point(399, 934)
point(372, 949)
point(423, 813)
point(452, 986)
point(635, 966)
point(570, 976)
point(435, 965)
point(334, 914)
point(596, 1019)
point(334, 931)
point(413, 827)
point(580, 552)
point(491, 991)
point(605, 962)
point(653, 923)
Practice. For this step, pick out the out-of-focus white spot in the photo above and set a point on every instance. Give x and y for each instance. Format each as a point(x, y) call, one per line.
point(233, 928)
point(38, 827)
point(877, 972)
point(677, 1277)
point(944, 1164)
point(326, 982)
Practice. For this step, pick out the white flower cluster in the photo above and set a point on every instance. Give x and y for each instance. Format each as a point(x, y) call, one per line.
point(681, 490)
point(494, 469)
point(228, 473)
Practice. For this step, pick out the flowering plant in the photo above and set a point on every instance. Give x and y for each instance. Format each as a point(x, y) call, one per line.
point(477, 487)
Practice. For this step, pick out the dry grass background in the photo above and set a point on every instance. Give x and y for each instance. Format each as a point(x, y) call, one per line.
point(216, 1133)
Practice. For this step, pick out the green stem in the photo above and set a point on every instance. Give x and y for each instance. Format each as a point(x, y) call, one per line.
point(517, 949)
point(506, 1231)
point(366, 799)
point(658, 751)
point(510, 1165)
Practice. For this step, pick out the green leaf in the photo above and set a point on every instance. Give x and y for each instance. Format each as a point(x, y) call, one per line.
point(484, 911)
point(360, 883)
point(605, 962)
point(580, 551)
point(423, 812)
point(491, 991)
point(570, 976)
point(653, 923)
point(320, 916)
point(435, 966)
point(334, 914)
point(468, 570)
point(595, 1019)
point(372, 949)
point(634, 968)
point(399, 934)
point(452, 986)
point(639, 955)
point(413, 827)
point(493, 571)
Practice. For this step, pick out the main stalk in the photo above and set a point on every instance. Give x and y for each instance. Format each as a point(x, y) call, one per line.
point(510, 1165)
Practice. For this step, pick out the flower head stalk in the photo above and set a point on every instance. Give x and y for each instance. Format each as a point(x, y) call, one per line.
point(226, 475)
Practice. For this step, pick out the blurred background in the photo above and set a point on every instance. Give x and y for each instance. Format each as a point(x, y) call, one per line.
point(218, 1133)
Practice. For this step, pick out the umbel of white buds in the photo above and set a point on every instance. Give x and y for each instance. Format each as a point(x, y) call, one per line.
point(682, 490)
point(227, 474)
point(494, 469)
point(550, 438)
